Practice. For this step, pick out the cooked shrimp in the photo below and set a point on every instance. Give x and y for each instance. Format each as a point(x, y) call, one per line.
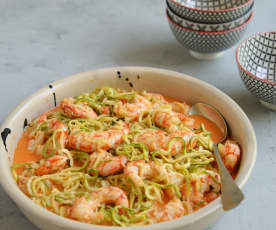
point(208, 184)
point(201, 186)
point(86, 210)
point(177, 145)
point(52, 165)
point(167, 120)
point(136, 171)
point(174, 178)
point(105, 110)
point(230, 153)
point(157, 139)
point(44, 116)
point(61, 136)
point(181, 107)
point(76, 110)
point(106, 164)
point(170, 120)
point(22, 183)
point(168, 211)
point(153, 139)
point(35, 144)
point(211, 196)
point(96, 140)
point(38, 138)
point(57, 124)
point(132, 110)
point(155, 98)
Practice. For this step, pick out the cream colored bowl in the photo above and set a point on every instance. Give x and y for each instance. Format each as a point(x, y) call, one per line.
point(173, 84)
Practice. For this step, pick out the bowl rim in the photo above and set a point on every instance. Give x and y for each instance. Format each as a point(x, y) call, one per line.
point(247, 14)
point(210, 32)
point(241, 66)
point(17, 195)
point(212, 11)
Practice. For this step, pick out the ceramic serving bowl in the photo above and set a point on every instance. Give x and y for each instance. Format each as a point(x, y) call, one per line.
point(207, 45)
point(173, 84)
point(210, 11)
point(256, 59)
point(208, 27)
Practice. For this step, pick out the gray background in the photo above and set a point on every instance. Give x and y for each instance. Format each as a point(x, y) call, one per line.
point(45, 40)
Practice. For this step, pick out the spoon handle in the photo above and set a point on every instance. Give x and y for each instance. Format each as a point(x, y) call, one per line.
point(231, 195)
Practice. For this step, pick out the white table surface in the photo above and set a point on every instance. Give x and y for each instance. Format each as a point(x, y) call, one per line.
point(43, 41)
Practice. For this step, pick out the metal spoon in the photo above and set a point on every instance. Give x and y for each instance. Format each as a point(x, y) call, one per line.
point(231, 195)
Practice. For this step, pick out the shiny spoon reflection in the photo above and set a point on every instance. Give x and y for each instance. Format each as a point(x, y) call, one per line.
point(231, 195)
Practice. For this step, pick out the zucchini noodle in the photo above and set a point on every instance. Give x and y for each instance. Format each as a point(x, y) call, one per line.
point(174, 170)
point(134, 151)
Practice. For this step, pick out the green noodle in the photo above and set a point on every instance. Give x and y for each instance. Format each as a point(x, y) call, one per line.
point(14, 174)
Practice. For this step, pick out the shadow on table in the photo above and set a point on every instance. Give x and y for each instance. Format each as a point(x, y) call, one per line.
point(166, 54)
point(251, 106)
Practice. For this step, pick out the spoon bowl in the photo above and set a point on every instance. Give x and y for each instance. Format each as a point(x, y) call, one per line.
point(231, 195)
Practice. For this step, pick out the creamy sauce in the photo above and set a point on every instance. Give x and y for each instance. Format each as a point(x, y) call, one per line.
point(216, 135)
point(22, 154)
point(171, 99)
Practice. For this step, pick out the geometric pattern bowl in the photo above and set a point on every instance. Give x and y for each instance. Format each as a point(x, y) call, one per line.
point(208, 27)
point(207, 42)
point(256, 59)
point(210, 11)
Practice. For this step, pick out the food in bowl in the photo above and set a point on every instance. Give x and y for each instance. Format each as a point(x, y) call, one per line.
point(116, 157)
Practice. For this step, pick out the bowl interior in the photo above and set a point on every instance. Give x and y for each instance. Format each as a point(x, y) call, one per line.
point(257, 55)
point(169, 83)
point(212, 5)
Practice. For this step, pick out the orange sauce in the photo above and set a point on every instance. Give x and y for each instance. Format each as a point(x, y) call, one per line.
point(171, 99)
point(216, 133)
point(22, 154)
point(209, 125)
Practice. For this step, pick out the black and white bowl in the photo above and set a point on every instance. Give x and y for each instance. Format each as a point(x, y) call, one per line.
point(211, 11)
point(207, 45)
point(208, 27)
point(256, 59)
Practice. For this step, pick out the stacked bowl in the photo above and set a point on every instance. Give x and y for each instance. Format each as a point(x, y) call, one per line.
point(208, 27)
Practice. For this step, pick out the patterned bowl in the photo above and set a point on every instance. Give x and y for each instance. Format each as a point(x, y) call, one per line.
point(205, 27)
point(207, 45)
point(256, 59)
point(210, 11)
